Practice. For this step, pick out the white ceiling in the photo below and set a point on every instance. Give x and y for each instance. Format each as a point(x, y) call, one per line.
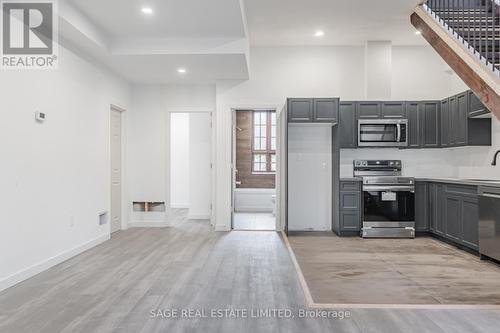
point(345, 22)
point(171, 18)
point(211, 38)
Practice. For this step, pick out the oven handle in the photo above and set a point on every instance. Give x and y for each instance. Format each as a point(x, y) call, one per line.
point(399, 132)
point(389, 188)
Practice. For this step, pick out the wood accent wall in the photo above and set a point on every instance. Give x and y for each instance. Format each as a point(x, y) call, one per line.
point(244, 155)
point(486, 93)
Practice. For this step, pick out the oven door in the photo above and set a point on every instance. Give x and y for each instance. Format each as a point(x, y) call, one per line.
point(382, 133)
point(389, 205)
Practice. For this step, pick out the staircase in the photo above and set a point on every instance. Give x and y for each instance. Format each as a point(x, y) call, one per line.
point(475, 23)
point(466, 33)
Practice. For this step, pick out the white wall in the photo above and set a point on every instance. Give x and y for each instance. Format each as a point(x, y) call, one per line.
point(54, 176)
point(280, 72)
point(149, 135)
point(179, 161)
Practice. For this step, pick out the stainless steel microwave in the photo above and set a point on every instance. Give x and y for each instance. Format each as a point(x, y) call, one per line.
point(383, 133)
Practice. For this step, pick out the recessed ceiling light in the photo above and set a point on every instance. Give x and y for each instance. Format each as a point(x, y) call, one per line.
point(181, 70)
point(319, 33)
point(418, 32)
point(147, 10)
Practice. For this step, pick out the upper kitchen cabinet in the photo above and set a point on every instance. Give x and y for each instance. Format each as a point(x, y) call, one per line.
point(414, 124)
point(445, 123)
point(348, 134)
point(459, 120)
point(476, 108)
point(308, 110)
point(393, 110)
point(326, 110)
point(430, 123)
point(300, 110)
point(369, 110)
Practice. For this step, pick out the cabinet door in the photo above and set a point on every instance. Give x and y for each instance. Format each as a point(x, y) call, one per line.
point(452, 121)
point(445, 123)
point(453, 207)
point(431, 120)
point(350, 221)
point(421, 203)
point(369, 110)
point(470, 222)
point(326, 110)
point(393, 110)
point(461, 121)
point(440, 217)
point(476, 107)
point(348, 129)
point(414, 131)
point(300, 110)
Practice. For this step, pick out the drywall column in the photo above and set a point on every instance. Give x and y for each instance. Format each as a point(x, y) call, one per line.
point(200, 172)
point(378, 70)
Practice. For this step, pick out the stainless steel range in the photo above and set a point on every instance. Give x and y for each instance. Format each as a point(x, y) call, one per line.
point(388, 199)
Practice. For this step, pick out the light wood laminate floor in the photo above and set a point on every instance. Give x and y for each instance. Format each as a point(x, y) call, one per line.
point(424, 270)
point(114, 286)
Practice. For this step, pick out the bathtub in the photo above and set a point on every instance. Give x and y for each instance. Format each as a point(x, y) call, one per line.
point(254, 200)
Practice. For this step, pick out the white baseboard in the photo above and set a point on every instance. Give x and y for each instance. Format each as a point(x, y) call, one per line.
point(50, 262)
point(222, 227)
point(148, 224)
point(198, 216)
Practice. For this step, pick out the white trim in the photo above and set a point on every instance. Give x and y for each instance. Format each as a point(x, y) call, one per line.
point(222, 227)
point(198, 216)
point(149, 224)
point(50, 262)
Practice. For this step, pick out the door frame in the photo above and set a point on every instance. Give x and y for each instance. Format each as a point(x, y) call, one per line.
point(184, 109)
point(279, 153)
point(124, 209)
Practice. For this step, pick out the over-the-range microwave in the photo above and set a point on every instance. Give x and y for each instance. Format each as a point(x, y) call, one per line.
point(383, 133)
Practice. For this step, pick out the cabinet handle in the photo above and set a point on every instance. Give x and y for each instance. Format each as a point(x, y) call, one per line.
point(489, 195)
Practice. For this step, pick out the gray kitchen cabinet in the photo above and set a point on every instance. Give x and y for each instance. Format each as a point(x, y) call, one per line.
point(453, 218)
point(348, 134)
point(470, 222)
point(436, 193)
point(414, 124)
point(350, 207)
point(476, 107)
point(445, 123)
point(325, 110)
point(459, 120)
point(300, 110)
point(430, 124)
point(421, 206)
point(369, 110)
point(308, 110)
point(393, 110)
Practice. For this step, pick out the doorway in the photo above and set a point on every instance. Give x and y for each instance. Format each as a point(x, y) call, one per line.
point(190, 166)
point(254, 172)
point(116, 168)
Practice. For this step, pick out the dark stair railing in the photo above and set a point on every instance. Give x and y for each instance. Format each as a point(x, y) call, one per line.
point(475, 23)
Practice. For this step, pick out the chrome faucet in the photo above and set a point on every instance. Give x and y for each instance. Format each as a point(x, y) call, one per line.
point(495, 158)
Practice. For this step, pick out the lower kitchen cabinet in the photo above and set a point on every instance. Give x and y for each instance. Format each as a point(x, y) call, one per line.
point(350, 207)
point(453, 212)
point(421, 207)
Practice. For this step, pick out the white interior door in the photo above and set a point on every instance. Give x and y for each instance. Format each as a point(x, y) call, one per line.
point(116, 170)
